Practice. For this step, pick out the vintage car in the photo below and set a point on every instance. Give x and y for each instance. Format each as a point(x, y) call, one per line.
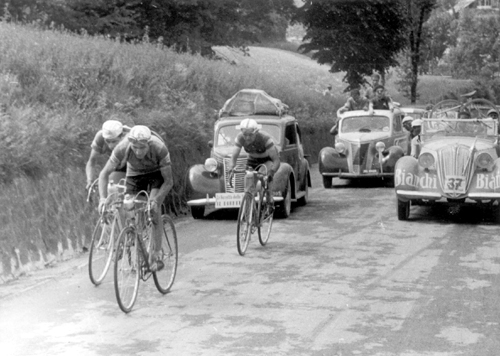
point(367, 146)
point(458, 162)
point(208, 184)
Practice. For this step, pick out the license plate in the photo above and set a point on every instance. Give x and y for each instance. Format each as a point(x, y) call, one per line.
point(454, 184)
point(228, 200)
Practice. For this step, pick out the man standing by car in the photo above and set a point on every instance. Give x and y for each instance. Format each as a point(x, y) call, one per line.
point(148, 168)
point(416, 127)
point(260, 148)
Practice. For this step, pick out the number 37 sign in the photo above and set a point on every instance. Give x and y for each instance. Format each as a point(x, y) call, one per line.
point(454, 184)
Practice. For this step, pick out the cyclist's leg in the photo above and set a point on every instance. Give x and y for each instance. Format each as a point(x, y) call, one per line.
point(269, 190)
point(155, 182)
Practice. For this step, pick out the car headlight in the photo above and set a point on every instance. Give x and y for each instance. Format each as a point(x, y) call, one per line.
point(484, 160)
point(340, 147)
point(211, 164)
point(426, 160)
point(380, 146)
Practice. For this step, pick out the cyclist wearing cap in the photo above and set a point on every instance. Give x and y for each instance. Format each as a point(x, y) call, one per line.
point(260, 148)
point(416, 126)
point(112, 132)
point(148, 168)
point(407, 123)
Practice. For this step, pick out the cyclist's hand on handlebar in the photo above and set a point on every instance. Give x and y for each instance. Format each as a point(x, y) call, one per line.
point(102, 204)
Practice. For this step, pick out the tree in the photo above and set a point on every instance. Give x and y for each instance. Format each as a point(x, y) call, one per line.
point(357, 37)
point(416, 13)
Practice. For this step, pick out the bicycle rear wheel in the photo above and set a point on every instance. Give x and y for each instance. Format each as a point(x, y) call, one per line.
point(164, 278)
point(266, 217)
point(245, 219)
point(127, 269)
point(101, 248)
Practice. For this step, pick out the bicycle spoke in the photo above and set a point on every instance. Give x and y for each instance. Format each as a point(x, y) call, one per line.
point(101, 249)
point(164, 278)
point(244, 228)
point(127, 270)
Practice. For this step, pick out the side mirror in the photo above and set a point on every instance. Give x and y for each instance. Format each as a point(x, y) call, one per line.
point(211, 144)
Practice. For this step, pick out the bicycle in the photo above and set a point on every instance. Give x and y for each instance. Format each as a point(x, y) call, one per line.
point(93, 193)
point(449, 108)
point(105, 234)
point(134, 246)
point(256, 210)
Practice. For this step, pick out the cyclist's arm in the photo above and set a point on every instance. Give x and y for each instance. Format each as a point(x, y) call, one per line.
point(234, 158)
point(90, 167)
point(168, 183)
point(273, 154)
point(109, 168)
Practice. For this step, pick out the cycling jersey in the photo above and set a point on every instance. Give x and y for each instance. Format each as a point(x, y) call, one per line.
point(260, 144)
point(157, 157)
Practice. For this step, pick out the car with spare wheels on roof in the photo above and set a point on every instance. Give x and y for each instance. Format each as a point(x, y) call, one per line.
point(209, 185)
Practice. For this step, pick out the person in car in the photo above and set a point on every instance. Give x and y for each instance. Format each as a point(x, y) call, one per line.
point(380, 101)
point(494, 115)
point(370, 92)
point(416, 127)
point(355, 102)
point(260, 148)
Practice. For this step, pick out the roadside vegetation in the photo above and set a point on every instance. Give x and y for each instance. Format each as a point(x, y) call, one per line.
point(58, 88)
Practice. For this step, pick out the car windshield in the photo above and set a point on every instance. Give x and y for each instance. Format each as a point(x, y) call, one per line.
point(433, 128)
point(365, 124)
point(227, 134)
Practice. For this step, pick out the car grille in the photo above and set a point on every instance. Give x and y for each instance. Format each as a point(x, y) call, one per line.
point(455, 161)
point(359, 157)
point(238, 178)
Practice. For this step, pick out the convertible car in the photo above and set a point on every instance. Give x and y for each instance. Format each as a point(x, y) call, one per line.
point(208, 184)
point(458, 161)
point(367, 146)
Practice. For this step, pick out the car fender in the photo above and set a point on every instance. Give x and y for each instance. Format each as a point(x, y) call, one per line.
point(394, 154)
point(200, 182)
point(330, 160)
point(406, 173)
point(281, 177)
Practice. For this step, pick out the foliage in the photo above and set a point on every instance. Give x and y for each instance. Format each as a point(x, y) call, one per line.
point(356, 37)
point(478, 51)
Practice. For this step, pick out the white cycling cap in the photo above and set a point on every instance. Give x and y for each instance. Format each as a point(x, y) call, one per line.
point(249, 124)
point(112, 129)
point(416, 122)
point(407, 118)
point(139, 133)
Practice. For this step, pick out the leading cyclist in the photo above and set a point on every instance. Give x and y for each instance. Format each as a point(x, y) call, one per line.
point(148, 168)
point(260, 148)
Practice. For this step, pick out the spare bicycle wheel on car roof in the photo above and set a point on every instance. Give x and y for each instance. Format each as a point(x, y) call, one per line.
point(252, 102)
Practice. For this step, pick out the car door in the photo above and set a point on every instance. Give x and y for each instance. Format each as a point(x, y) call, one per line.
point(291, 149)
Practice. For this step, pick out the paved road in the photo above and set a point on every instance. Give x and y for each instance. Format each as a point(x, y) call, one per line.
point(341, 276)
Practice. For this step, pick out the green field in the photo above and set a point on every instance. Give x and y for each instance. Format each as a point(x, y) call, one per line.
point(56, 90)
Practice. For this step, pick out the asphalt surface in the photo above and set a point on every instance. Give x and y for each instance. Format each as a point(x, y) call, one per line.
point(341, 276)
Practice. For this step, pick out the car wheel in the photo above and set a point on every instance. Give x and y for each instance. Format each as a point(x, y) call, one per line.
point(403, 210)
point(285, 207)
point(303, 201)
point(198, 212)
point(327, 182)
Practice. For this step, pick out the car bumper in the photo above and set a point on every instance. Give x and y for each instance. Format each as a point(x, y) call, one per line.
point(412, 194)
point(355, 175)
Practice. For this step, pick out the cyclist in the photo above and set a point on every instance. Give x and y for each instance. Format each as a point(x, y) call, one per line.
point(148, 168)
point(112, 132)
point(260, 148)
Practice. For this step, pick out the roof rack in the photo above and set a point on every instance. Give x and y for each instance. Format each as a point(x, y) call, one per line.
point(252, 102)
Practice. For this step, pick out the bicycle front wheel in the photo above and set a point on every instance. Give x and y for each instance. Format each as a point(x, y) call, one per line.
point(245, 220)
point(164, 278)
point(101, 249)
point(127, 269)
point(266, 216)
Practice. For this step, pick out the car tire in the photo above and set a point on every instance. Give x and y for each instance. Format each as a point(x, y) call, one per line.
point(285, 207)
point(403, 210)
point(198, 212)
point(303, 201)
point(327, 182)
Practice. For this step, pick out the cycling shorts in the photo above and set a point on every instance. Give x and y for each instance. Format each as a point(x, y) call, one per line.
point(253, 162)
point(145, 182)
